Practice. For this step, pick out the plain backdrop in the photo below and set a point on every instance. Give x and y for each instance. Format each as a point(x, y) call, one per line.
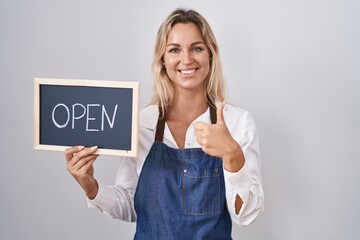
point(294, 64)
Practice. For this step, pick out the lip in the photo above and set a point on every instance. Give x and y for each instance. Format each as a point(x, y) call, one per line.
point(188, 71)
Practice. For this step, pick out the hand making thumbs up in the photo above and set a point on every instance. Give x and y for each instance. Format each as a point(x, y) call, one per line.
point(216, 140)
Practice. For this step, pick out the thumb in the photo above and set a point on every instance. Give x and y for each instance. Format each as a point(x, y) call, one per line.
point(219, 113)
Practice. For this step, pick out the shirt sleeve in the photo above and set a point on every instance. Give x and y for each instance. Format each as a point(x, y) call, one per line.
point(117, 201)
point(247, 182)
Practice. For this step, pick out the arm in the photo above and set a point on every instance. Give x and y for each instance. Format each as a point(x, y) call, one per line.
point(116, 201)
point(245, 183)
point(239, 149)
point(80, 162)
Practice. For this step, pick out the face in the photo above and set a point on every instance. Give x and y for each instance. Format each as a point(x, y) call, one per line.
point(187, 58)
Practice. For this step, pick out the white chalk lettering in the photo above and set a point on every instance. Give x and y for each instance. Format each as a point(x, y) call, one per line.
point(88, 118)
point(77, 117)
point(68, 116)
point(90, 121)
point(104, 113)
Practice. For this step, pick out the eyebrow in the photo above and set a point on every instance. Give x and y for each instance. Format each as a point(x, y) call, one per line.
point(178, 45)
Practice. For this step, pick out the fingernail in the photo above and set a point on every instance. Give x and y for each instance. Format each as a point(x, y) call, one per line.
point(94, 147)
point(81, 147)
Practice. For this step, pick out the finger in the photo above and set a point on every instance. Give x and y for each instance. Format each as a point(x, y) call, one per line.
point(90, 163)
point(86, 152)
point(202, 131)
point(219, 113)
point(85, 160)
point(82, 166)
point(199, 126)
point(82, 154)
point(199, 140)
point(69, 152)
point(85, 171)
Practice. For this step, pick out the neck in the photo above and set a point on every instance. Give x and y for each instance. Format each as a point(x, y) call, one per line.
point(188, 107)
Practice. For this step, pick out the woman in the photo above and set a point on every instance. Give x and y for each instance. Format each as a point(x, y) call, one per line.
point(198, 162)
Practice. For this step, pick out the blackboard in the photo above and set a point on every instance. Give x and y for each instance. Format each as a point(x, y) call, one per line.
point(71, 112)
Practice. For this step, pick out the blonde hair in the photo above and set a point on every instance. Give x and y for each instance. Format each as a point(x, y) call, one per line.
point(163, 90)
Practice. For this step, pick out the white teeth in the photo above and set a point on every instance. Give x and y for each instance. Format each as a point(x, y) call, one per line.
point(187, 71)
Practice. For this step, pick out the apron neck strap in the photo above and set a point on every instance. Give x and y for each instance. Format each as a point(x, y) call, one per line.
point(160, 126)
point(162, 119)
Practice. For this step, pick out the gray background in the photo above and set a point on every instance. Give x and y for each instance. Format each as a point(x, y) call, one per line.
point(293, 64)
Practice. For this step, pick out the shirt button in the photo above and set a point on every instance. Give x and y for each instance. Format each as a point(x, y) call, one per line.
point(188, 144)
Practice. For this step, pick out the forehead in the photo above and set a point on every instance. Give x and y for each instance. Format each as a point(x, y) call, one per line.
point(182, 33)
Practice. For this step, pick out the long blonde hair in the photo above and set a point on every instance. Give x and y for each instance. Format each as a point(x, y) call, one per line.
point(163, 91)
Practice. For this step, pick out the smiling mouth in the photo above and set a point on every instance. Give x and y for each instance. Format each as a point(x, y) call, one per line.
point(188, 72)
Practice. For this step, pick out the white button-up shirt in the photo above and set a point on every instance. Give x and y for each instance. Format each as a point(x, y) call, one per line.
point(117, 200)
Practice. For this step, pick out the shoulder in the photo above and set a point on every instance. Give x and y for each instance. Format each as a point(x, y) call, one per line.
point(240, 124)
point(232, 111)
point(237, 116)
point(148, 116)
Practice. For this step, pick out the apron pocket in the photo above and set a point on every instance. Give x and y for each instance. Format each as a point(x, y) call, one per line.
point(201, 191)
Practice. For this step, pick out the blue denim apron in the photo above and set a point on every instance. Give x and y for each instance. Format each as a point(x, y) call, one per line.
point(181, 193)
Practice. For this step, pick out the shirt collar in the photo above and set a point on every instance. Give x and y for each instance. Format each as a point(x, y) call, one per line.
point(149, 116)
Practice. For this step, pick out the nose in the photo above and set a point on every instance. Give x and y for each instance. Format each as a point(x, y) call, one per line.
point(186, 58)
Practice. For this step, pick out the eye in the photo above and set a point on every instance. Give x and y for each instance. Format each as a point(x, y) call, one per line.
point(197, 49)
point(173, 50)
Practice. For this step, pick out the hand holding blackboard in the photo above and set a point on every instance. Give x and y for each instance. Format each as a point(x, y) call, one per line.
point(87, 113)
point(80, 162)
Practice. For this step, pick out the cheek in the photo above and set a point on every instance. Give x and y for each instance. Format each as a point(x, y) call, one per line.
point(204, 59)
point(170, 67)
point(206, 64)
point(169, 62)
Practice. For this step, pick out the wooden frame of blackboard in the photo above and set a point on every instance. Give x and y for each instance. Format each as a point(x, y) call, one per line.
point(134, 86)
